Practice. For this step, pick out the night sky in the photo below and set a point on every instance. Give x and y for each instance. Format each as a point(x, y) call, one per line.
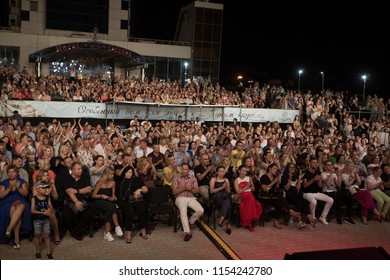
point(263, 41)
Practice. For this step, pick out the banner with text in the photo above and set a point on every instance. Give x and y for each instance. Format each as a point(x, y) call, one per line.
point(127, 110)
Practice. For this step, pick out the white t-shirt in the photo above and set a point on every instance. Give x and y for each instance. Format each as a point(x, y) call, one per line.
point(140, 153)
point(332, 184)
point(371, 179)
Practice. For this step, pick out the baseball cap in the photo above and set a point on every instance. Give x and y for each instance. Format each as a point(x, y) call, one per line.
point(42, 184)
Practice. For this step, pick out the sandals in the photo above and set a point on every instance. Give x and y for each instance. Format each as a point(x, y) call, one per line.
point(144, 236)
point(379, 219)
point(301, 225)
point(221, 223)
point(17, 246)
point(364, 221)
point(57, 241)
point(294, 214)
point(277, 225)
point(314, 222)
point(8, 234)
point(128, 241)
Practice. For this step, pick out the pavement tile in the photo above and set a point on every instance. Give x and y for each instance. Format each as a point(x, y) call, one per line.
point(266, 243)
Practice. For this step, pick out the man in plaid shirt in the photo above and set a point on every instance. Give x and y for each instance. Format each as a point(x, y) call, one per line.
point(185, 188)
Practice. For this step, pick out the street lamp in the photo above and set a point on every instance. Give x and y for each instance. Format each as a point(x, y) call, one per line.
point(322, 82)
point(364, 77)
point(299, 79)
point(185, 70)
point(239, 78)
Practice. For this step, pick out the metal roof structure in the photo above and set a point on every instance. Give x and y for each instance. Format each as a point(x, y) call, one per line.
point(91, 53)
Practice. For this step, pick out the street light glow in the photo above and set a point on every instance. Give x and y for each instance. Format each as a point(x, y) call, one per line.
point(364, 77)
point(299, 79)
point(185, 70)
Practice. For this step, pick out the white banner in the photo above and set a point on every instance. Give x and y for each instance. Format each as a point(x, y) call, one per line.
point(127, 110)
point(196, 269)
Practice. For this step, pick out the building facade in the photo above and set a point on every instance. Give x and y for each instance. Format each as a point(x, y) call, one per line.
point(31, 26)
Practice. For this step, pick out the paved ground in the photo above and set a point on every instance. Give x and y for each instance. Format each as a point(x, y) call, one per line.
point(266, 243)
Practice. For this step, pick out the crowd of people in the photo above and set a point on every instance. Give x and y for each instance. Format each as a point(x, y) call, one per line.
point(323, 164)
point(20, 85)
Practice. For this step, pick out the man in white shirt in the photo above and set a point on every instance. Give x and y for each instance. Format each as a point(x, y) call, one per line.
point(198, 122)
point(143, 150)
point(99, 146)
point(201, 137)
point(331, 183)
point(232, 140)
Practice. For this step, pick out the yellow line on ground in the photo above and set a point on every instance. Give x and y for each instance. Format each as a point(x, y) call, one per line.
point(219, 240)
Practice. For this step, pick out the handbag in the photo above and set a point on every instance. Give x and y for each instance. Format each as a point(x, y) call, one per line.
point(132, 199)
point(86, 204)
point(353, 189)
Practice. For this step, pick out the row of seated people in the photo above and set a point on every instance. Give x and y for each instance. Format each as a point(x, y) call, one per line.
point(108, 196)
point(297, 191)
point(21, 216)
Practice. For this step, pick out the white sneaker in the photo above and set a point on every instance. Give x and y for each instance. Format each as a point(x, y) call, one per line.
point(118, 231)
point(108, 236)
point(323, 220)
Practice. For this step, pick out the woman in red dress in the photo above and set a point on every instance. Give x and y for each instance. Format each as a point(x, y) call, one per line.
point(250, 208)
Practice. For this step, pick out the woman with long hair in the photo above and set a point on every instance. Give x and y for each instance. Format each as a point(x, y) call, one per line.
point(269, 188)
point(351, 180)
point(200, 150)
point(340, 162)
point(192, 149)
point(146, 171)
point(250, 208)
point(104, 201)
point(296, 122)
point(96, 170)
point(291, 182)
point(268, 159)
point(15, 212)
point(221, 196)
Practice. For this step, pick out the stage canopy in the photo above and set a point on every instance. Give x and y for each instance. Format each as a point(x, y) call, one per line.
point(91, 54)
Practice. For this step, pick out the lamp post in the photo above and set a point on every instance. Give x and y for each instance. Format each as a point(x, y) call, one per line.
point(299, 79)
point(322, 81)
point(364, 77)
point(185, 70)
point(239, 78)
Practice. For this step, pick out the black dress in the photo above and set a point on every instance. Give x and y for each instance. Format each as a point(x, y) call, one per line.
point(105, 206)
point(278, 199)
point(223, 201)
point(126, 188)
